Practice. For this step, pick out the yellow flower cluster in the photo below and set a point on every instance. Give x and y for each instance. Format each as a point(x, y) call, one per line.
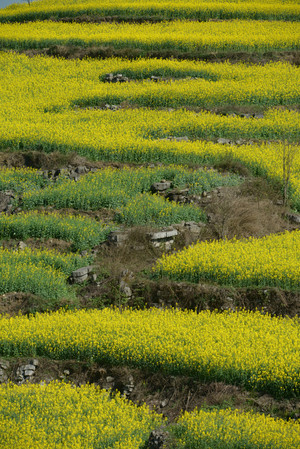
point(236, 35)
point(192, 9)
point(197, 93)
point(221, 429)
point(255, 350)
point(273, 260)
point(83, 232)
point(62, 416)
point(41, 272)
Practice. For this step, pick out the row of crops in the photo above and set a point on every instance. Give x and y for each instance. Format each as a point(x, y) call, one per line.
point(151, 9)
point(187, 83)
point(88, 422)
point(83, 233)
point(40, 272)
point(247, 348)
point(182, 36)
point(176, 118)
point(271, 260)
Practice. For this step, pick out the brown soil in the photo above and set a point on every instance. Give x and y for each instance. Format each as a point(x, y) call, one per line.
point(166, 293)
point(49, 161)
point(169, 395)
point(239, 110)
point(84, 18)
point(17, 303)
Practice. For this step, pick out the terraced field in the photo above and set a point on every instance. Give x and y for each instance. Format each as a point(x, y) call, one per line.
point(165, 9)
point(149, 224)
point(182, 36)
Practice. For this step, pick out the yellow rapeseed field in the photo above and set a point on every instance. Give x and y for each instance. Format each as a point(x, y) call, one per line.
point(38, 110)
point(62, 416)
point(166, 9)
point(202, 37)
point(41, 272)
point(83, 232)
point(50, 104)
point(269, 261)
point(255, 350)
point(221, 429)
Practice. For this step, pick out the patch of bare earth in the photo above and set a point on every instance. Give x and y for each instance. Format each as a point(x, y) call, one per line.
point(241, 212)
point(19, 303)
point(163, 393)
point(103, 52)
point(51, 161)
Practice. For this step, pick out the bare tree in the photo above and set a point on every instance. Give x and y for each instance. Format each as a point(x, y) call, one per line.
point(288, 156)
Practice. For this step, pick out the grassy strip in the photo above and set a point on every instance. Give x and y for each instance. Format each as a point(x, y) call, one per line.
point(153, 9)
point(65, 263)
point(34, 278)
point(42, 273)
point(62, 416)
point(254, 350)
point(269, 261)
point(126, 191)
point(83, 232)
point(198, 37)
point(147, 209)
